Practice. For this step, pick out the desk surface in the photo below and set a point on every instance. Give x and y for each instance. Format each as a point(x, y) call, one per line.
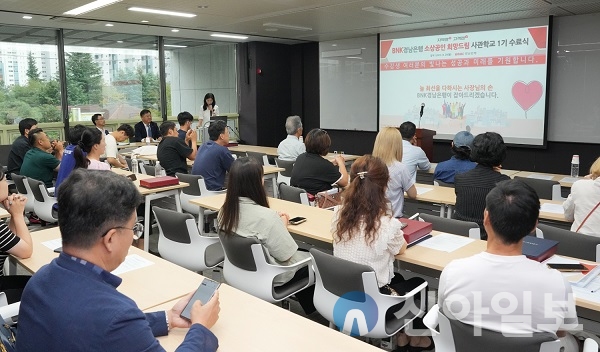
point(272, 151)
point(148, 286)
point(553, 177)
point(4, 213)
point(134, 145)
point(275, 329)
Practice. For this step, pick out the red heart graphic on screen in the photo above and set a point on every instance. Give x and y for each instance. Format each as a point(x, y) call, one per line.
point(526, 95)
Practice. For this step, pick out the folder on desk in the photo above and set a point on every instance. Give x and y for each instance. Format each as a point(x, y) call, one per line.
point(156, 182)
point(415, 230)
point(539, 249)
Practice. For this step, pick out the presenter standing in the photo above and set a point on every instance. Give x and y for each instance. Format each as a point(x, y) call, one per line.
point(209, 108)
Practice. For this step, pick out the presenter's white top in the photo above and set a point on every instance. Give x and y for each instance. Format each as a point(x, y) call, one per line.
point(414, 157)
point(205, 114)
point(508, 294)
point(585, 194)
point(290, 148)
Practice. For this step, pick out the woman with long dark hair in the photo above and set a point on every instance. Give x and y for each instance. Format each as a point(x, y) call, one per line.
point(246, 213)
point(365, 232)
point(209, 108)
point(93, 144)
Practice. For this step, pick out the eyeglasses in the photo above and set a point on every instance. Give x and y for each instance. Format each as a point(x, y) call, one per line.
point(138, 230)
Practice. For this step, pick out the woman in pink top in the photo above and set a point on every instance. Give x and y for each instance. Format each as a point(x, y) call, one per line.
point(92, 142)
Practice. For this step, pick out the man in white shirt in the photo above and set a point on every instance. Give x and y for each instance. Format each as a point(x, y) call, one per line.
point(99, 122)
point(502, 290)
point(122, 133)
point(412, 156)
point(292, 146)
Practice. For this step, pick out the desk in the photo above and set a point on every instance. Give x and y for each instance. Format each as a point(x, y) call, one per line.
point(4, 213)
point(553, 177)
point(247, 323)
point(148, 287)
point(134, 145)
point(272, 151)
point(151, 194)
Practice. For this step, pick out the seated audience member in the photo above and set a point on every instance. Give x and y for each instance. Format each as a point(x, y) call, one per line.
point(246, 213)
point(39, 163)
point(14, 239)
point(388, 148)
point(20, 146)
point(541, 298)
point(460, 162)
point(67, 164)
point(173, 151)
point(185, 120)
point(99, 121)
point(72, 304)
point(365, 232)
point(88, 150)
point(213, 159)
point(146, 127)
point(413, 156)
point(122, 133)
point(583, 204)
point(472, 187)
point(312, 171)
point(292, 146)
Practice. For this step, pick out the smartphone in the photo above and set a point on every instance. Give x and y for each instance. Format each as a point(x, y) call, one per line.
point(297, 220)
point(58, 250)
point(203, 294)
point(132, 177)
point(567, 267)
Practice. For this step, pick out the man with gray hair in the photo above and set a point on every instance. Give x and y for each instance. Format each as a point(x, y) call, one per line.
point(292, 146)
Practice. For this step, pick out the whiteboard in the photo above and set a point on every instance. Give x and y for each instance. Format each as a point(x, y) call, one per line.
point(348, 84)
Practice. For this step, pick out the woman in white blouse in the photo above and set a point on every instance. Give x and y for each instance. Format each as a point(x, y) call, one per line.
point(88, 150)
point(583, 205)
point(209, 108)
point(365, 232)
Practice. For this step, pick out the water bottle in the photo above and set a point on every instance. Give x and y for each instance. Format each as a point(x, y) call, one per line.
point(158, 170)
point(134, 164)
point(575, 166)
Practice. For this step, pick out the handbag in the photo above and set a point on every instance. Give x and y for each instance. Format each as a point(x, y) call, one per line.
point(8, 337)
point(328, 199)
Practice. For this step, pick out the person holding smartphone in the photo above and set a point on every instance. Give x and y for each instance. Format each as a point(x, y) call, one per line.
point(72, 304)
point(246, 213)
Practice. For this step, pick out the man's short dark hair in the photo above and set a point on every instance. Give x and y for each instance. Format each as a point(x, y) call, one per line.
point(127, 129)
point(144, 112)
point(91, 202)
point(95, 118)
point(317, 142)
point(215, 129)
point(75, 133)
point(184, 117)
point(513, 210)
point(408, 130)
point(34, 135)
point(26, 124)
point(488, 149)
point(165, 127)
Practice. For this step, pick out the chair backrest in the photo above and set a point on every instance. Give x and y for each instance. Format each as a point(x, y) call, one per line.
point(19, 183)
point(338, 276)
point(572, 244)
point(129, 165)
point(285, 164)
point(150, 170)
point(543, 188)
point(442, 184)
point(453, 226)
point(293, 194)
point(262, 158)
point(34, 185)
point(173, 224)
point(194, 188)
point(238, 250)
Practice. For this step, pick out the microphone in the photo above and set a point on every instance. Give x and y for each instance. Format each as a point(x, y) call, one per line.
point(422, 107)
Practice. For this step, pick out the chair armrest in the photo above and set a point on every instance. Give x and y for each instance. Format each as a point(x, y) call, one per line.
point(590, 345)
point(431, 319)
point(10, 311)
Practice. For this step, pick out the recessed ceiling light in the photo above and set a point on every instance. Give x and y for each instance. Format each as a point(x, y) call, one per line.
point(286, 26)
point(333, 44)
point(144, 21)
point(387, 12)
point(94, 5)
point(175, 30)
point(161, 12)
point(175, 46)
point(119, 41)
point(27, 17)
point(230, 36)
point(109, 25)
point(203, 7)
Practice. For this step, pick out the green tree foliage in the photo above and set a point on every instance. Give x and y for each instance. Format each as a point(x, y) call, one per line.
point(84, 79)
point(138, 88)
point(32, 70)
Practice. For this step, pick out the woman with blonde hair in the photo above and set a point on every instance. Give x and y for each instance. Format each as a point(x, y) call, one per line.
point(365, 232)
point(388, 148)
point(583, 204)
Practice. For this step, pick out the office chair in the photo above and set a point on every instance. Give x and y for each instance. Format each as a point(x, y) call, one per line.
point(23, 188)
point(262, 158)
point(196, 189)
point(545, 189)
point(286, 175)
point(336, 278)
point(43, 201)
point(247, 268)
point(573, 244)
point(180, 242)
point(455, 336)
point(453, 226)
point(293, 194)
point(148, 169)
